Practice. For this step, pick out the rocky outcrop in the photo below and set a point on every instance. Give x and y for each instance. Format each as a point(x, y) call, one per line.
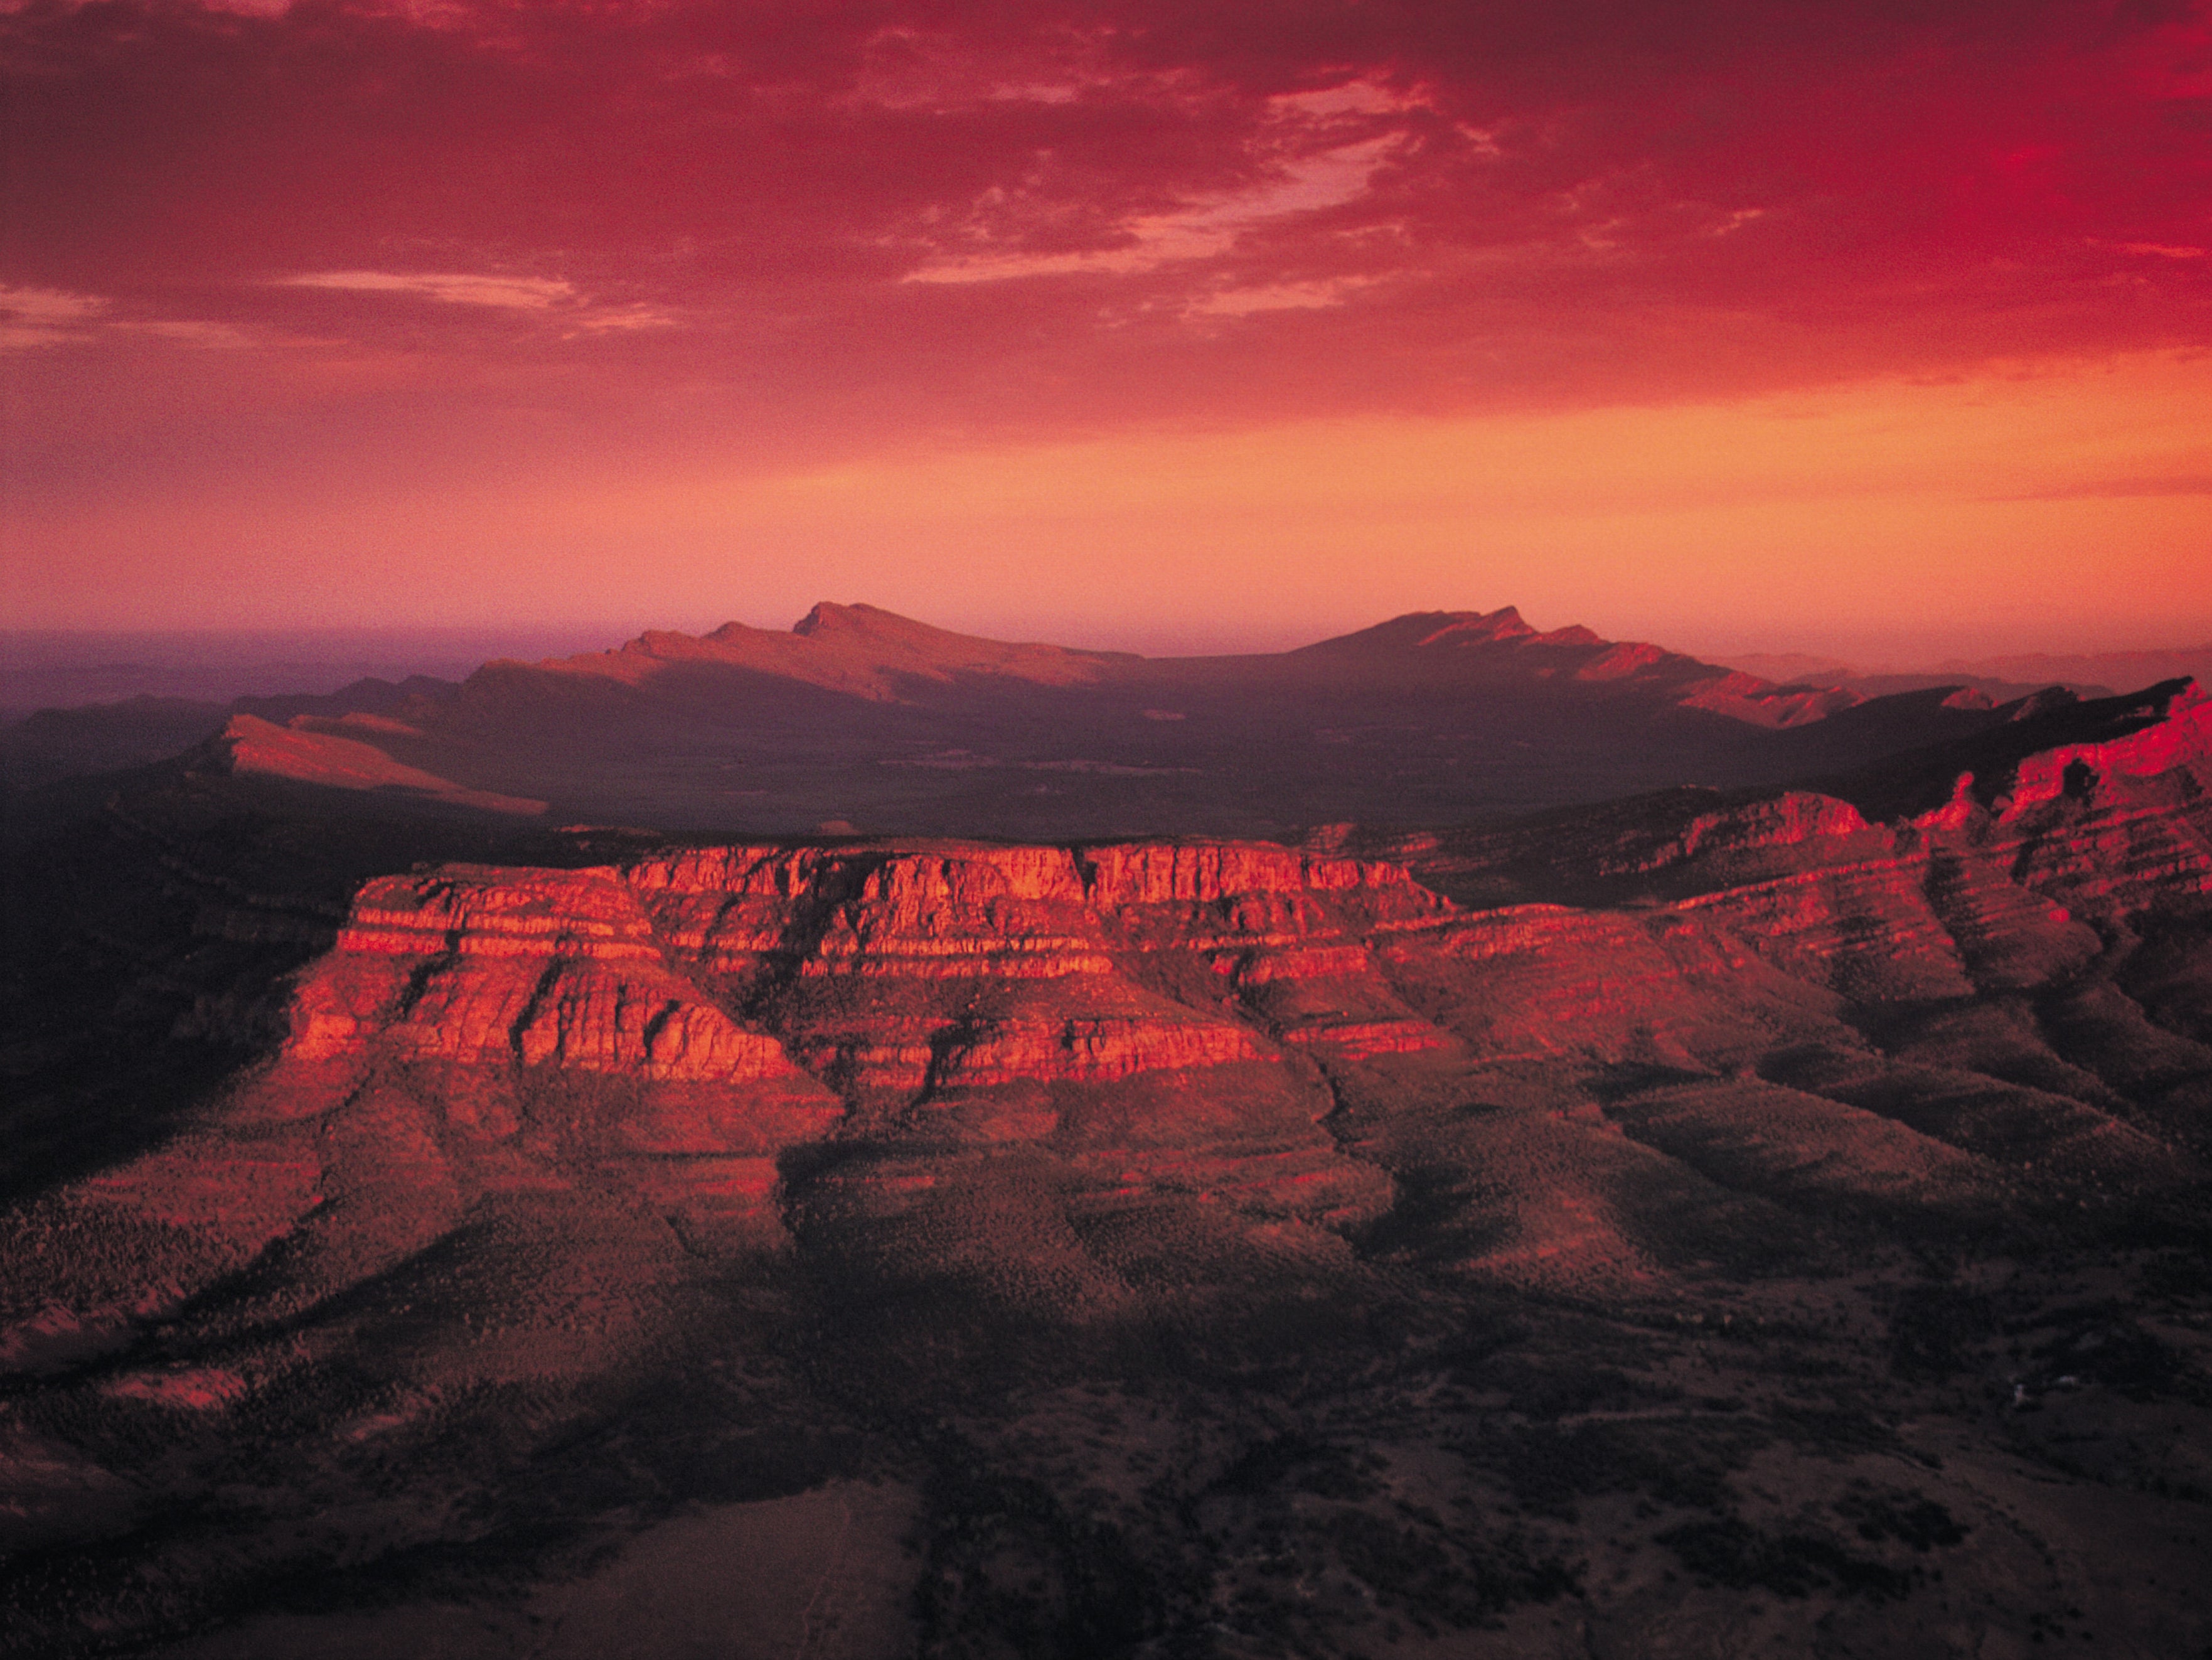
point(524, 1028)
point(2108, 853)
point(1157, 872)
point(909, 975)
point(1865, 929)
point(1787, 821)
point(2180, 740)
point(935, 987)
point(2007, 936)
point(473, 965)
point(915, 970)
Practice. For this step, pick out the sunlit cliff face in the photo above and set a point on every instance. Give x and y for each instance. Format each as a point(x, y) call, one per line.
point(1760, 317)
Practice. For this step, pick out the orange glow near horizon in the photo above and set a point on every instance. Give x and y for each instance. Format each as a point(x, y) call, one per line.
point(2036, 511)
point(1153, 327)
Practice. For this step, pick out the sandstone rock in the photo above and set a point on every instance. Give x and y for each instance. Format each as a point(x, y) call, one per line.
point(2181, 739)
point(478, 964)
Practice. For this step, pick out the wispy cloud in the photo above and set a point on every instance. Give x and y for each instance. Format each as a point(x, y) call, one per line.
point(622, 319)
point(1278, 297)
point(31, 318)
point(551, 298)
point(2199, 484)
point(453, 288)
point(1199, 230)
point(44, 317)
point(902, 219)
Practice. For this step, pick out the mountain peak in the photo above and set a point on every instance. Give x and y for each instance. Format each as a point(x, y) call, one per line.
point(1470, 627)
point(871, 629)
point(828, 618)
point(1424, 629)
point(1573, 635)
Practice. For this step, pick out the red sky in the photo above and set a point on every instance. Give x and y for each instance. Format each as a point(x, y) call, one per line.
point(1855, 326)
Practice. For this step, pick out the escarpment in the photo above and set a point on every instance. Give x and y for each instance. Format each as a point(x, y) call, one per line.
point(1628, 1043)
point(473, 965)
point(744, 1001)
point(1247, 1019)
point(904, 974)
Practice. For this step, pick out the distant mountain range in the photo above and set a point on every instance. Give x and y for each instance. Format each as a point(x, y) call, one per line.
point(57, 669)
point(857, 719)
point(2091, 674)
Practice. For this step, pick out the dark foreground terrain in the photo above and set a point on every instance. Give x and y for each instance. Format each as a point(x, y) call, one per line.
point(1761, 1221)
